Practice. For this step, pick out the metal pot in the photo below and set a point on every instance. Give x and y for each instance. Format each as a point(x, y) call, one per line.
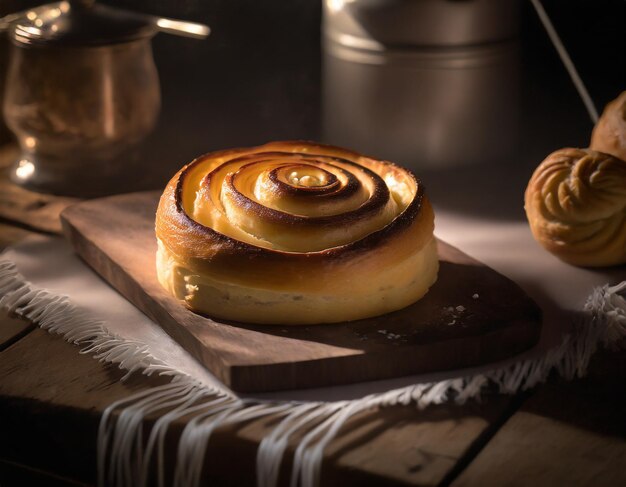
point(82, 93)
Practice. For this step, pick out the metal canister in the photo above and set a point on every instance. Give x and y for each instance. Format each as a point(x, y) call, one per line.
point(379, 24)
point(426, 83)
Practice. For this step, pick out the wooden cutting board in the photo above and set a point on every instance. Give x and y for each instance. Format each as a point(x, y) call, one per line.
point(471, 316)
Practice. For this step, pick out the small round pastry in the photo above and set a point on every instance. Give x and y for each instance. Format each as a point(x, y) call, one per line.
point(609, 134)
point(295, 233)
point(576, 206)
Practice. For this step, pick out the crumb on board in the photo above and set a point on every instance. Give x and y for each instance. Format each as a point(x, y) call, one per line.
point(453, 313)
point(389, 335)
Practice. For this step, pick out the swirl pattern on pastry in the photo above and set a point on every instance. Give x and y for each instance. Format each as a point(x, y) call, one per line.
point(576, 206)
point(295, 233)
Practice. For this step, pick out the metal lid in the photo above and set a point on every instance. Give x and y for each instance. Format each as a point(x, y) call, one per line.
point(77, 23)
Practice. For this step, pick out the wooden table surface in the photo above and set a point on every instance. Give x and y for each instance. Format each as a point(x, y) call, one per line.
point(559, 434)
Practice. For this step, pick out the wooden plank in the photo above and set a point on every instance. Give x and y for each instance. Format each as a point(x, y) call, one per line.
point(10, 234)
point(15, 474)
point(12, 329)
point(38, 211)
point(51, 399)
point(447, 329)
point(570, 434)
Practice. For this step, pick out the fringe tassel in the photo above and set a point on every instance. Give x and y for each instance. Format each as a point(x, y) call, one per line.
point(124, 460)
point(56, 314)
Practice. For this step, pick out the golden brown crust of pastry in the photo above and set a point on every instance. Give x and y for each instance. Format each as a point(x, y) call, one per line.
point(576, 206)
point(609, 134)
point(295, 217)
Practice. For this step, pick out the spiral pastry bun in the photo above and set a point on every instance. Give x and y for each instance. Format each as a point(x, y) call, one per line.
point(609, 134)
point(295, 233)
point(576, 206)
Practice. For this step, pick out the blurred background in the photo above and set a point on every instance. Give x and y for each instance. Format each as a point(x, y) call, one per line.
point(439, 92)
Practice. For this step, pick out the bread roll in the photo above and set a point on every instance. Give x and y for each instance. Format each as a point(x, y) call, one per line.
point(609, 134)
point(295, 233)
point(576, 206)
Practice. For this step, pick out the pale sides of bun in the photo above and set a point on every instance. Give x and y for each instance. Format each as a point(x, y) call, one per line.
point(295, 233)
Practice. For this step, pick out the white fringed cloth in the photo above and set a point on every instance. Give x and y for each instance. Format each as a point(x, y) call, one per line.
point(42, 280)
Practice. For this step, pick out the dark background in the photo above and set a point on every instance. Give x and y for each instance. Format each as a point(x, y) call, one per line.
point(257, 77)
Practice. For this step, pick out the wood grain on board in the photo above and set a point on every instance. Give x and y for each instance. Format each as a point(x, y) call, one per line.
point(472, 315)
